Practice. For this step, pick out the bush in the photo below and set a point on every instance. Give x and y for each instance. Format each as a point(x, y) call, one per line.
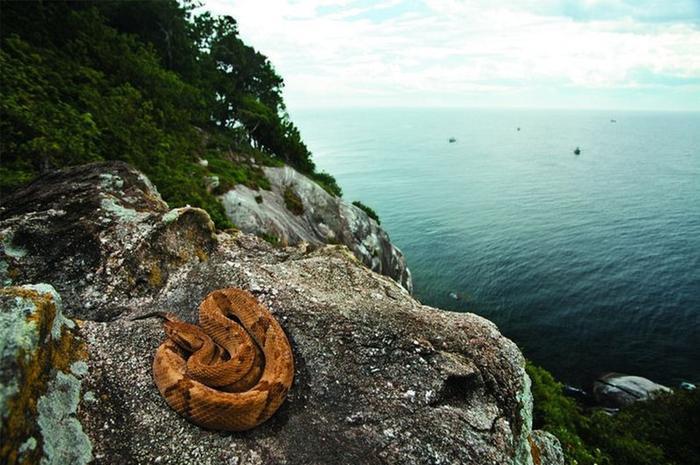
point(293, 201)
point(561, 416)
point(371, 213)
point(327, 182)
point(271, 239)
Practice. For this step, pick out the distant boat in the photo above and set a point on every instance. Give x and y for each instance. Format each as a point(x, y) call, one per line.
point(452, 140)
point(577, 151)
point(518, 128)
point(613, 121)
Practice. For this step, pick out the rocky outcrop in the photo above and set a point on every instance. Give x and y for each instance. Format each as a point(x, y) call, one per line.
point(101, 235)
point(546, 449)
point(379, 377)
point(616, 390)
point(322, 219)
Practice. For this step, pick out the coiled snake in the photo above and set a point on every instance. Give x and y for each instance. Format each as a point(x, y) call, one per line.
point(230, 373)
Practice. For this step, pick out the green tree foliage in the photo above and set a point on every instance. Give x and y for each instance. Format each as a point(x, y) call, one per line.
point(663, 431)
point(145, 82)
point(39, 130)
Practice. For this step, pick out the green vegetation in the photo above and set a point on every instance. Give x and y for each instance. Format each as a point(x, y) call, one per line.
point(149, 83)
point(270, 238)
point(371, 213)
point(327, 182)
point(663, 431)
point(292, 201)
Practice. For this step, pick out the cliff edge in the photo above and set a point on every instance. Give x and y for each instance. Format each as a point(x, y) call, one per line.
point(297, 210)
point(380, 378)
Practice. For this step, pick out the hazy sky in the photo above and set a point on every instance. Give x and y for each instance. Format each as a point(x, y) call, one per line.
point(522, 53)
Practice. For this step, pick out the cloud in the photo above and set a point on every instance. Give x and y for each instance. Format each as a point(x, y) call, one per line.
point(449, 52)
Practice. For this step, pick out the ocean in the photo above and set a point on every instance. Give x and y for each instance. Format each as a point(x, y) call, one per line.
point(589, 262)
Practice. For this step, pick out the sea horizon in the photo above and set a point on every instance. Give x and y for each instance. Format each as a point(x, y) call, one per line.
point(496, 216)
point(308, 108)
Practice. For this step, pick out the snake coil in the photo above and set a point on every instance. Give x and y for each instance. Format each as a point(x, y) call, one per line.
point(233, 371)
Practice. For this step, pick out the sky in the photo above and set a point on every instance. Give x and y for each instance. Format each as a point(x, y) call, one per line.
point(586, 54)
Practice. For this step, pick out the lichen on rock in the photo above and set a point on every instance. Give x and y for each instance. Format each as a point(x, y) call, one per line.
point(19, 335)
point(63, 436)
point(37, 348)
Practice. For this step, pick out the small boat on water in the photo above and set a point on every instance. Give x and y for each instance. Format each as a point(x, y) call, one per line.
point(452, 140)
point(613, 121)
point(577, 151)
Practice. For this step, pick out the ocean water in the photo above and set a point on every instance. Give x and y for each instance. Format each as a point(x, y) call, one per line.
point(591, 263)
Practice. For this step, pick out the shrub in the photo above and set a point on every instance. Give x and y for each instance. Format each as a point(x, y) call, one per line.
point(271, 238)
point(327, 182)
point(293, 201)
point(561, 416)
point(370, 212)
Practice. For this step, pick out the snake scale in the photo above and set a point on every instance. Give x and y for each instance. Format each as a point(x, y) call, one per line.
point(233, 371)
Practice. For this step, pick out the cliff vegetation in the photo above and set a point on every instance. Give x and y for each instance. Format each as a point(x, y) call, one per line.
point(179, 95)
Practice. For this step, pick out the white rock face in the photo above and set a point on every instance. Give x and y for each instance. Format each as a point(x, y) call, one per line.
point(325, 220)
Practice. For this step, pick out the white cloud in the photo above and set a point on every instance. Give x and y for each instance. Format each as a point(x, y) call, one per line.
point(445, 52)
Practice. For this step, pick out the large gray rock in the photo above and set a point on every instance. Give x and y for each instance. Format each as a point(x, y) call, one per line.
point(101, 235)
point(379, 377)
point(325, 220)
point(618, 390)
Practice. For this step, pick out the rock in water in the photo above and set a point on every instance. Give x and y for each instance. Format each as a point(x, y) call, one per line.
point(687, 386)
point(324, 219)
point(380, 378)
point(618, 390)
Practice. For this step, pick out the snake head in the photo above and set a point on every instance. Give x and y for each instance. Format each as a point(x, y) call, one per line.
point(189, 337)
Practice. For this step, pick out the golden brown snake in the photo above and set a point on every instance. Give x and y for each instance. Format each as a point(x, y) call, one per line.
point(230, 373)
